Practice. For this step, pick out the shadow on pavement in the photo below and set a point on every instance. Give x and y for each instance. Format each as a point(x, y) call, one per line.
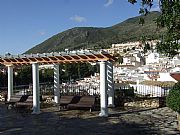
point(74, 123)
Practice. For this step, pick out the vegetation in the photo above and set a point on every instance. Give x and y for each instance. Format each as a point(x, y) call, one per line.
point(68, 72)
point(77, 71)
point(173, 99)
point(3, 79)
point(170, 19)
point(146, 47)
point(24, 76)
point(97, 38)
point(120, 59)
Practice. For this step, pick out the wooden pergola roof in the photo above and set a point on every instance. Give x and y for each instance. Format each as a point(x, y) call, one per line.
point(55, 57)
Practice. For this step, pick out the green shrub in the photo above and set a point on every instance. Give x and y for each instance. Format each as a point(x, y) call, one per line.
point(129, 92)
point(173, 99)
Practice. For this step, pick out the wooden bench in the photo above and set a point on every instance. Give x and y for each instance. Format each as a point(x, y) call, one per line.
point(65, 100)
point(85, 102)
point(28, 103)
point(14, 99)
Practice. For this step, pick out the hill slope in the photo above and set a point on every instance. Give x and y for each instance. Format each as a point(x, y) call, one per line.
point(91, 37)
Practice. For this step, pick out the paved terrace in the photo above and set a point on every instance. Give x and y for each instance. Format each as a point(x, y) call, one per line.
point(79, 122)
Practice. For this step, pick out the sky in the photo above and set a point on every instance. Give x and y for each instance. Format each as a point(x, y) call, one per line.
point(27, 23)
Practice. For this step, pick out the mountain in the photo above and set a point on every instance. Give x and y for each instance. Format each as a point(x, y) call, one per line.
point(92, 37)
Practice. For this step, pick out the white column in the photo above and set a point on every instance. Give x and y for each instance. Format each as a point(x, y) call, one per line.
point(10, 82)
point(103, 90)
point(137, 85)
point(56, 84)
point(110, 84)
point(36, 92)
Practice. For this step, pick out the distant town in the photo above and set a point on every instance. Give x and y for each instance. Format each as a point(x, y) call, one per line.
point(137, 65)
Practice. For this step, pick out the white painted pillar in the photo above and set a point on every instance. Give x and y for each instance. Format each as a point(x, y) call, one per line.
point(56, 84)
point(10, 82)
point(137, 85)
point(110, 81)
point(103, 90)
point(36, 92)
point(137, 82)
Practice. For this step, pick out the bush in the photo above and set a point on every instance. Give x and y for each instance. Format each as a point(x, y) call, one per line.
point(119, 100)
point(129, 92)
point(173, 99)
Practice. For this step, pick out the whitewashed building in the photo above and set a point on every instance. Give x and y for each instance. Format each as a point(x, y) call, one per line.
point(152, 58)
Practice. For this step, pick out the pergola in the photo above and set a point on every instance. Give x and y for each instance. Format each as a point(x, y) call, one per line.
point(56, 58)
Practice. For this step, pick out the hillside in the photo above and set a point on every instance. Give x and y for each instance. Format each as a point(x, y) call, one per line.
point(91, 37)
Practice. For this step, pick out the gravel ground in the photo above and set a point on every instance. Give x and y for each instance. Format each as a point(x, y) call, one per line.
point(160, 121)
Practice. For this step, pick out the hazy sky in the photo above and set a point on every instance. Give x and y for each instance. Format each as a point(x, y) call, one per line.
point(26, 23)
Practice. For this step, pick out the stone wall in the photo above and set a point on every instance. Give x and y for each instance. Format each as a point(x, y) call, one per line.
point(147, 103)
point(47, 98)
point(3, 96)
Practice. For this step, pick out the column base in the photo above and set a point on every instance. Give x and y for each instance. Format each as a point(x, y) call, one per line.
point(56, 99)
point(111, 106)
point(36, 112)
point(103, 114)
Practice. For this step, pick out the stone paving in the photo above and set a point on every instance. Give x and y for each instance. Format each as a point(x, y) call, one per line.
point(78, 122)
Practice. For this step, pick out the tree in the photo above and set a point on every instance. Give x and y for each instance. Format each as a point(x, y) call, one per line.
point(24, 76)
point(128, 49)
point(143, 43)
point(124, 50)
point(134, 48)
point(77, 71)
point(170, 19)
point(146, 47)
point(3, 79)
point(120, 59)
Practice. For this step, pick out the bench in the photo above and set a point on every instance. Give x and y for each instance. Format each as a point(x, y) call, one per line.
point(65, 100)
point(28, 103)
point(85, 102)
point(14, 99)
